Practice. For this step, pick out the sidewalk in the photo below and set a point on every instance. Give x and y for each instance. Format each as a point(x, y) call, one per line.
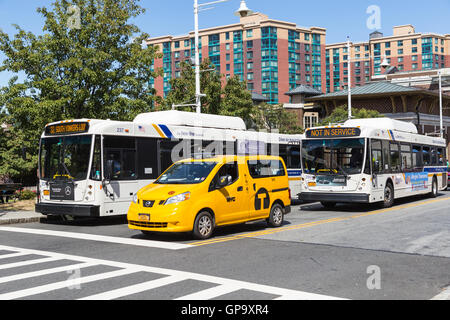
point(14, 217)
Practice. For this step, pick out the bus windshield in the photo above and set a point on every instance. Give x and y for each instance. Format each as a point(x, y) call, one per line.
point(65, 158)
point(187, 173)
point(333, 156)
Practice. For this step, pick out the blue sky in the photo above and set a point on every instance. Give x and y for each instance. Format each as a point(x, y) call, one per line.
point(341, 18)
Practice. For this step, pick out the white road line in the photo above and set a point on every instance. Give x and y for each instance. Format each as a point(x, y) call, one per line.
point(444, 295)
point(210, 293)
point(129, 268)
point(126, 291)
point(25, 263)
point(93, 237)
point(63, 284)
point(44, 272)
point(12, 255)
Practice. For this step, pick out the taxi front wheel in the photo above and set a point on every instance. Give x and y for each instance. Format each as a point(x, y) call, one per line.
point(276, 217)
point(203, 226)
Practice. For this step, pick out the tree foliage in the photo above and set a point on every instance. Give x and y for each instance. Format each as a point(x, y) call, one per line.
point(340, 115)
point(276, 117)
point(96, 70)
point(183, 89)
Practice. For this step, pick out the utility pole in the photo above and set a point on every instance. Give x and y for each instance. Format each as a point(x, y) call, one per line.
point(349, 79)
point(441, 129)
point(198, 102)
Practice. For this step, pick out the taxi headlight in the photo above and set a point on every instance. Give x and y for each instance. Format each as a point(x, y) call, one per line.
point(135, 198)
point(179, 198)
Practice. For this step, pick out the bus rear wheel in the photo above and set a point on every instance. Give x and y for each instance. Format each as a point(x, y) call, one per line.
point(434, 188)
point(388, 196)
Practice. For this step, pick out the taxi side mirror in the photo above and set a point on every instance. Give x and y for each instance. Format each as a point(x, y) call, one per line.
point(224, 181)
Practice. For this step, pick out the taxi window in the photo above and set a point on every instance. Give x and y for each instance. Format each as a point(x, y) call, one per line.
point(266, 168)
point(229, 169)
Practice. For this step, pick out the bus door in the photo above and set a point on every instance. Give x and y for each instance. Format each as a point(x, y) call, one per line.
point(120, 179)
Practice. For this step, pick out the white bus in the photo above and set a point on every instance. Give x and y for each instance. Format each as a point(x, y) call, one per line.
point(371, 160)
point(95, 167)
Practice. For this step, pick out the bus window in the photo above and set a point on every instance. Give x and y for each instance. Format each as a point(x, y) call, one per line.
point(434, 160)
point(395, 157)
point(417, 158)
point(441, 157)
point(386, 153)
point(120, 157)
point(426, 153)
point(406, 156)
point(377, 157)
point(96, 167)
point(165, 150)
point(147, 158)
point(294, 157)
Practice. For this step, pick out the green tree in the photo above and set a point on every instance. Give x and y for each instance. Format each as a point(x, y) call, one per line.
point(237, 101)
point(183, 88)
point(97, 69)
point(340, 115)
point(277, 118)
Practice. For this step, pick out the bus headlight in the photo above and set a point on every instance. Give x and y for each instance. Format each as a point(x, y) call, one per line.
point(179, 198)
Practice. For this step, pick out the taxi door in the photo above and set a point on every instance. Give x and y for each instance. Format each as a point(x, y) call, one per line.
point(230, 202)
point(264, 181)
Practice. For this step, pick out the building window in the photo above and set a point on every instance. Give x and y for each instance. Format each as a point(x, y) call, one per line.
point(177, 44)
point(250, 44)
point(400, 43)
point(228, 46)
point(387, 45)
point(414, 42)
point(250, 66)
point(250, 76)
point(250, 55)
point(311, 119)
point(400, 51)
point(307, 36)
point(415, 65)
point(414, 49)
point(227, 36)
point(249, 33)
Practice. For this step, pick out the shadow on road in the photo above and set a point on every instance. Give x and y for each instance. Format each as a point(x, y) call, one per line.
point(355, 207)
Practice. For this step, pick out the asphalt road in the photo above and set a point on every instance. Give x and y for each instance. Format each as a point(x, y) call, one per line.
point(352, 252)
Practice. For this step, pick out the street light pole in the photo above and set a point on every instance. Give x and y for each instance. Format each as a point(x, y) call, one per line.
point(441, 129)
point(349, 79)
point(198, 102)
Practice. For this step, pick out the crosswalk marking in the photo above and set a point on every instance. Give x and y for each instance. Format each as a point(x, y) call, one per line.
point(168, 276)
point(26, 263)
point(62, 284)
point(12, 255)
point(94, 237)
point(210, 293)
point(122, 292)
point(44, 272)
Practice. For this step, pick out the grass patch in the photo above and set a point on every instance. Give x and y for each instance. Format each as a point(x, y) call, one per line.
point(23, 205)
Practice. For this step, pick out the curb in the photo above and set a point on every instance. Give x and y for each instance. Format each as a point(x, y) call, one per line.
point(18, 220)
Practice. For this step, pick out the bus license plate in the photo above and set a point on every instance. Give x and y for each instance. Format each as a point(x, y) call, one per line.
point(144, 217)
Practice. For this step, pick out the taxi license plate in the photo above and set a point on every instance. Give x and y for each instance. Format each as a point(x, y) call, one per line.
point(312, 184)
point(144, 217)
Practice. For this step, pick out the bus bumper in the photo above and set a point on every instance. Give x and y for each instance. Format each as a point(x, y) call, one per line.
point(335, 197)
point(68, 209)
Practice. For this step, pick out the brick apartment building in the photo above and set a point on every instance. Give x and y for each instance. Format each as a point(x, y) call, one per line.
point(275, 57)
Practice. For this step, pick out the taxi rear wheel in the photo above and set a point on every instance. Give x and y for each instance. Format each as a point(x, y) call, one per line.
point(203, 226)
point(276, 217)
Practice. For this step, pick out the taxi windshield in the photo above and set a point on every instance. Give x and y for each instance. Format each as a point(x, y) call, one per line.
point(187, 173)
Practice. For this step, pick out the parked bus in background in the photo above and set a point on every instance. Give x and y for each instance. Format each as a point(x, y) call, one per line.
point(371, 160)
point(95, 167)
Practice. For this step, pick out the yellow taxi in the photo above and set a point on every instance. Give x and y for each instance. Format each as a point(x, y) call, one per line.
point(199, 195)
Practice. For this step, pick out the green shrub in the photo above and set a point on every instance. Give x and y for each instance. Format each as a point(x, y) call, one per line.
point(27, 195)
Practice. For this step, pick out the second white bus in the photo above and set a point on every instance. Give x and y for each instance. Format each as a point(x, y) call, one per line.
point(371, 160)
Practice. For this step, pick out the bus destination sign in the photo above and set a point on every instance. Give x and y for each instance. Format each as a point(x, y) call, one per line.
point(67, 128)
point(333, 133)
